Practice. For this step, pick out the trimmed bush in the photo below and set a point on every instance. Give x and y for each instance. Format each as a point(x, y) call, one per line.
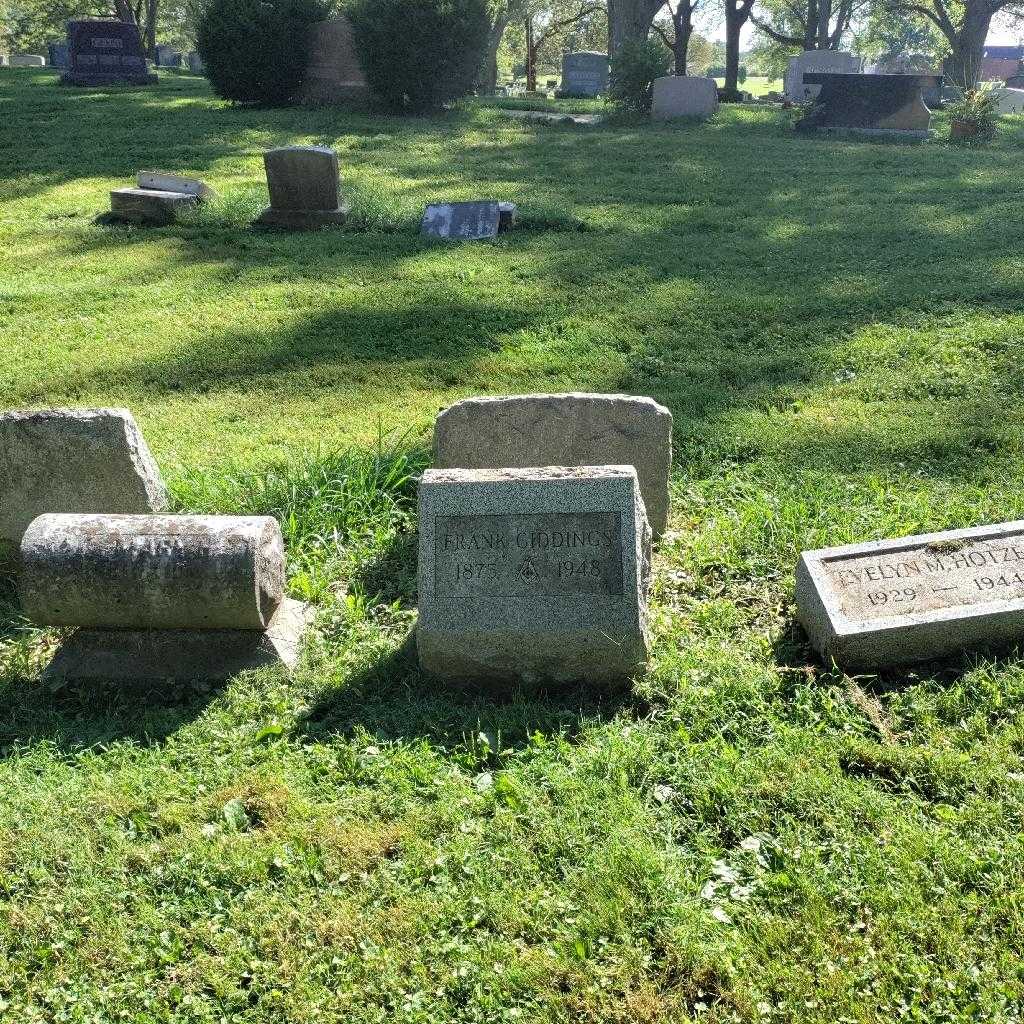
point(420, 54)
point(256, 51)
point(633, 71)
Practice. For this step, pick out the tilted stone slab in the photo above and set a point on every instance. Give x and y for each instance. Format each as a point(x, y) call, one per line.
point(562, 430)
point(528, 575)
point(165, 181)
point(900, 601)
point(149, 205)
point(463, 222)
point(73, 460)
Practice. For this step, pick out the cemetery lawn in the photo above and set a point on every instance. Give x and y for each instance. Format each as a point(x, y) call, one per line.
point(746, 834)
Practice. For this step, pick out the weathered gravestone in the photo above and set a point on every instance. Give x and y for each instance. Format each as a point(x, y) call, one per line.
point(105, 53)
point(195, 64)
point(333, 74)
point(73, 460)
point(159, 197)
point(58, 53)
point(684, 96)
point(584, 74)
point(462, 221)
point(1009, 101)
point(794, 87)
point(562, 430)
point(889, 105)
point(891, 602)
point(305, 189)
point(168, 57)
point(160, 597)
point(528, 575)
point(27, 60)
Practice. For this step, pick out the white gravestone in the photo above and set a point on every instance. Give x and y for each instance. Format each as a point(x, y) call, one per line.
point(836, 61)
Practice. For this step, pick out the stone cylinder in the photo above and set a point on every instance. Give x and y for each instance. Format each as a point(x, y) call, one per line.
point(152, 571)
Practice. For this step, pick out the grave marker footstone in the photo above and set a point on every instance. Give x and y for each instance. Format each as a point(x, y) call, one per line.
point(160, 597)
point(528, 575)
point(562, 430)
point(304, 187)
point(73, 460)
point(105, 53)
point(894, 602)
point(464, 222)
point(159, 197)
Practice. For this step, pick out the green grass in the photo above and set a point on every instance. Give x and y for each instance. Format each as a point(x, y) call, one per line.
point(745, 834)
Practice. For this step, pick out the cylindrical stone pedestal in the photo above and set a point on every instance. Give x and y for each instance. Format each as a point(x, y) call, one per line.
point(152, 571)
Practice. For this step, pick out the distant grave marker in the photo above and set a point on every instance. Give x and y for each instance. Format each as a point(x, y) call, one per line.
point(898, 601)
point(105, 53)
point(584, 74)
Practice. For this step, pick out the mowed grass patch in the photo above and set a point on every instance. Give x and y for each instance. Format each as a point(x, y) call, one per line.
point(745, 834)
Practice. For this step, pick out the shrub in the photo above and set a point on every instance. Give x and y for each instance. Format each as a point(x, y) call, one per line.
point(973, 117)
point(633, 71)
point(420, 54)
point(256, 51)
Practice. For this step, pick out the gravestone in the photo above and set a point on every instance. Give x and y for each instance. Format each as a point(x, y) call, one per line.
point(73, 460)
point(1009, 101)
point(5, 61)
point(195, 64)
point(333, 74)
point(794, 87)
point(105, 53)
point(899, 601)
point(158, 596)
point(462, 221)
point(58, 53)
point(584, 74)
point(528, 575)
point(304, 187)
point(159, 197)
point(167, 57)
point(27, 60)
point(684, 96)
point(888, 105)
point(562, 430)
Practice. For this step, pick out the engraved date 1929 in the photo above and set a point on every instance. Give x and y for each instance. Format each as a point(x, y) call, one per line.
point(902, 596)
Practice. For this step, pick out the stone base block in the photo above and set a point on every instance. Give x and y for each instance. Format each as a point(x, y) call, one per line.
point(895, 134)
point(684, 96)
point(302, 220)
point(149, 205)
point(86, 79)
point(208, 655)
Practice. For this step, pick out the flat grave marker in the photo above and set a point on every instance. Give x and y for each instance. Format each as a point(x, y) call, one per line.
point(464, 222)
point(915, 598)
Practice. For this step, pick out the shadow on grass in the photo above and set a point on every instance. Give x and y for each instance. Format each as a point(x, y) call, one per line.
point(392, 700)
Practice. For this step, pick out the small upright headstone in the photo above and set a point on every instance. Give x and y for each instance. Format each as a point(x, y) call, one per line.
point(584, 74)
point(58, 54)
point(684, 96)
point(527, 575)
point(168, 57)
point(462, 221)
point(105, 53)
point(305, 190)
point(899, 601)
point(562, 430)
point(73, 460)
point(195, 64)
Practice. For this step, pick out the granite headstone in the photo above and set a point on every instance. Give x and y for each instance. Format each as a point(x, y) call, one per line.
point(105, 53)
point(305, 189)
point(462, 222)
point(584, 74)
point(889, 105)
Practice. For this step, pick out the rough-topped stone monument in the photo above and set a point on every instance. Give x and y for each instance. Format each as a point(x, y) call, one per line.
point(333, 74)
point(527, 575)
point(73, 460)
point(899, 601)
point(562, 430)
point(305, 189)
point(105, 53)
point(159, 596)
point(684, 96)
point(794, 87)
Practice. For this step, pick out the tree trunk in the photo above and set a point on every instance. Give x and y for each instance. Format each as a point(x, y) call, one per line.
point(684, 30)
point(734, 20)
point(531, 57)
point(967, 47)
point(489, 73)
point(630, 21)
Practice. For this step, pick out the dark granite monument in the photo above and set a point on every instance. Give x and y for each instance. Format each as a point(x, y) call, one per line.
point(105, 53)
point(584, 74)
point(889, 105)
point(58, 53)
